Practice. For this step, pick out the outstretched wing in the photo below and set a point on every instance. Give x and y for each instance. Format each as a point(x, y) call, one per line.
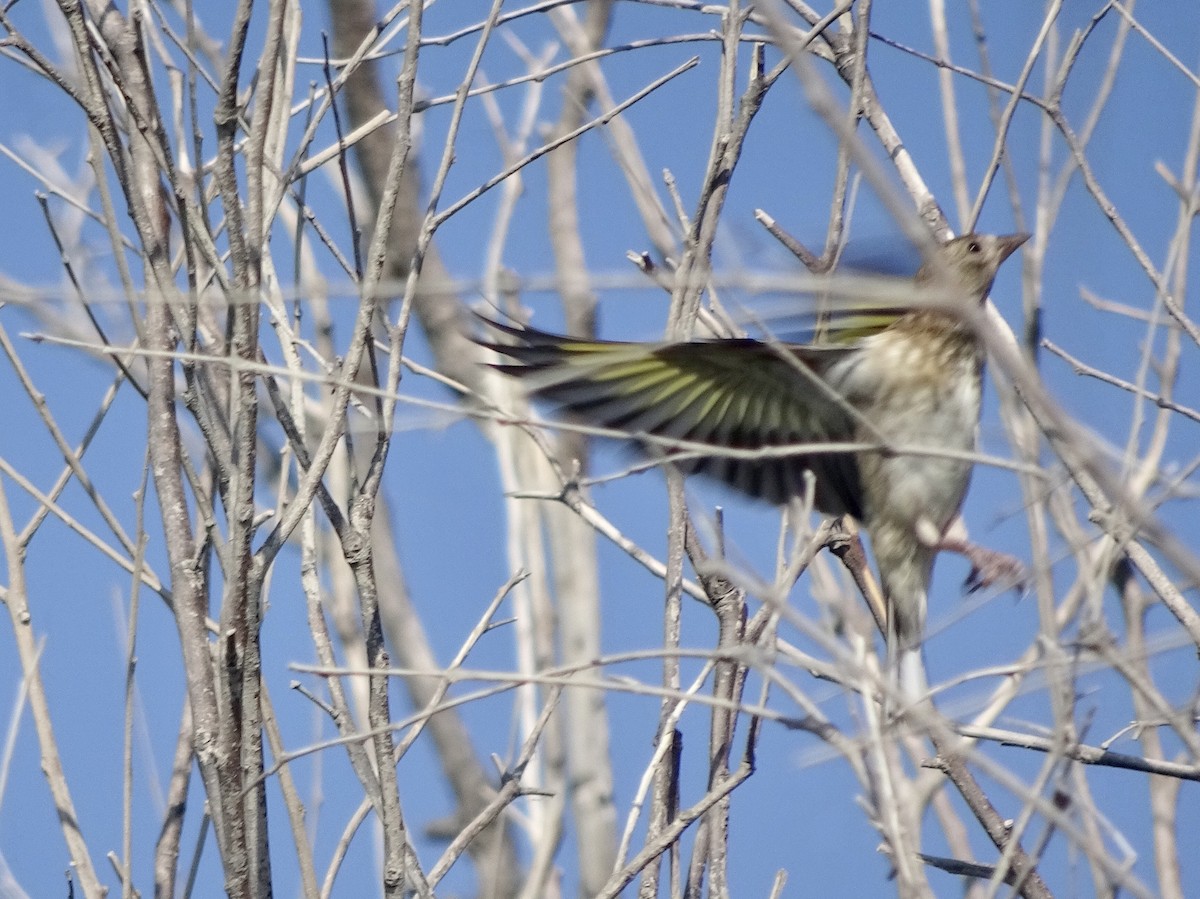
point(723, 394)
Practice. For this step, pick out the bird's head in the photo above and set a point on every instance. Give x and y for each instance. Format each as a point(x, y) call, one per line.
point(959, 272)
point(967, 265)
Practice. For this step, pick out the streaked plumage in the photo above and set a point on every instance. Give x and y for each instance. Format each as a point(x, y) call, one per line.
point(916, 382)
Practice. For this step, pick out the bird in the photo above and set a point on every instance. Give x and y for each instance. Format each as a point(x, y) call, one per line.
point(896, 379)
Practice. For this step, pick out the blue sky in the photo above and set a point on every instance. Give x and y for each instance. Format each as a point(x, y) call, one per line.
point(798, 812)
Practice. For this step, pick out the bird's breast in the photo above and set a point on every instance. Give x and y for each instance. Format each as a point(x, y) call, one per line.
point(919, 393)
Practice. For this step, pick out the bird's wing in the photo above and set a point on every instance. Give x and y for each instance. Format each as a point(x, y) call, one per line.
point(845, 327)
point(722, 394)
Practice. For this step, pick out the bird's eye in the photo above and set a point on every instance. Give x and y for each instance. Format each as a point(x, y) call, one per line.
point(974, 247)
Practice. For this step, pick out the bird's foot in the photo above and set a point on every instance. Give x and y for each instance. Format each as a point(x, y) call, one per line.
point(989, 567)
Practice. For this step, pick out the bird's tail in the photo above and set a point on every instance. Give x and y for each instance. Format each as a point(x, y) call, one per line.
point(906, 660)
point(909, 675)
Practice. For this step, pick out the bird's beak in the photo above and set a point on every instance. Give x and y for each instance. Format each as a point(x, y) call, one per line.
point(1009, 242)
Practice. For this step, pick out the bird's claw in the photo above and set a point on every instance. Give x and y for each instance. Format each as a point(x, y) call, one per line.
point(990, 568)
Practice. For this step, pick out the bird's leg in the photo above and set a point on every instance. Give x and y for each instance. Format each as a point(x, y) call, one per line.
point(989, 567)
